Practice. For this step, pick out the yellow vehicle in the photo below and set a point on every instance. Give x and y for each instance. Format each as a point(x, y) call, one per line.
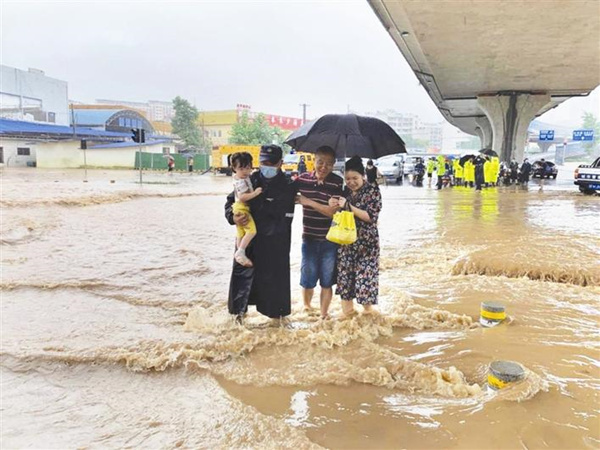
point(291, 161)
point(219, 157)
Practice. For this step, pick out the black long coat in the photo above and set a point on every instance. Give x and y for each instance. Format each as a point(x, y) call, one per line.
point(479, 171)
point(267, 284)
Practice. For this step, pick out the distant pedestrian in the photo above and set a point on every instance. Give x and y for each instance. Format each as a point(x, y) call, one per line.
point(372, 173)
point(514, 171)
point(430, 169)
point(441, 170)
point(170, 164)
point(191, 165)
point(301, 166)
point(525, 171)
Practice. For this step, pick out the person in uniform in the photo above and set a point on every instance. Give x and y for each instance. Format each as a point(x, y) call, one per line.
point(441, 170)
point(267, 284)
point(479, 163)
point(430, 169)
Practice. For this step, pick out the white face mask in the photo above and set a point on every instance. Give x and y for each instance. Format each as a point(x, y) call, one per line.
point(268, 171)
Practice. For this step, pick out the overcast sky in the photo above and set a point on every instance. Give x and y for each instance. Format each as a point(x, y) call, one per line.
point(270, 55)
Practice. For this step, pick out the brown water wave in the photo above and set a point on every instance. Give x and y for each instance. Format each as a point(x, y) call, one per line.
point(178, 409)
point(311, 352)
point(92, 200)
point(107, 290)
point(546, 261)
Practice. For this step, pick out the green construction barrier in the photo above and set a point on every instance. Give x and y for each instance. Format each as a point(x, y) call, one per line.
point(157, 161)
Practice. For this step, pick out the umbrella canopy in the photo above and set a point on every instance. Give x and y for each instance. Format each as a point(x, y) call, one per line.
point(464, 159)
point(489, 152)
point(349, 135)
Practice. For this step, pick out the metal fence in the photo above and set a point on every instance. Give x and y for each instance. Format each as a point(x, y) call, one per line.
point(158, 161)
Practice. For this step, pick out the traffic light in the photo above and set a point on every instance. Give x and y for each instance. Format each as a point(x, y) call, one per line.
point(136, 134)
point(139, 135)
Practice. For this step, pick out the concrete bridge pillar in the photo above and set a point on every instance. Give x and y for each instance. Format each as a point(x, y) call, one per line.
point(484, 131)
point(509, 115)
point(545, 146)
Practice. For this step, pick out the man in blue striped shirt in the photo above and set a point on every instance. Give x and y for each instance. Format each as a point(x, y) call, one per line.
point(318, 254)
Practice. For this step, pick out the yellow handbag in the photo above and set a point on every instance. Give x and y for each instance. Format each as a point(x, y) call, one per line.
point(343, 228)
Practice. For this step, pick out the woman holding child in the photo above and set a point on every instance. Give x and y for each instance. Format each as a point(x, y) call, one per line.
point(358, 263)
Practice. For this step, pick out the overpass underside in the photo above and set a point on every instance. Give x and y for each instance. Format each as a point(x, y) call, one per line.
point(491, 66)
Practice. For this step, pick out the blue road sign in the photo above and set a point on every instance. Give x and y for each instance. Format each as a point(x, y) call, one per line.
point(546, 135)
point(583, 135)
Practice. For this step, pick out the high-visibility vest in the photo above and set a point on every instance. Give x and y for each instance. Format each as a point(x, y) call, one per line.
point(458, 169)
point(488, 170)
point(441, 166)
point(496, 166)
point(469, 171)
point(430, 166)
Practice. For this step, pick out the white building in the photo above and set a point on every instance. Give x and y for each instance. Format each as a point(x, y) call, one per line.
point(32, 96)
point(52, 146)
point(409, 125)
point(432, 132)
point(403, 123)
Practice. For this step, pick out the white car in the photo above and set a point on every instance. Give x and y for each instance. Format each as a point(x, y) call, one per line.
point(392, 168)
point(587, 177)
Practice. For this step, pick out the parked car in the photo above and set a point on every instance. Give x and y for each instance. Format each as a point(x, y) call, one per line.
point(587, 177)
point(392, 168)
point(538, 170)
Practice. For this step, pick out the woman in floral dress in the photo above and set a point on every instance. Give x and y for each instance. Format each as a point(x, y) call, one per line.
point(358, 263)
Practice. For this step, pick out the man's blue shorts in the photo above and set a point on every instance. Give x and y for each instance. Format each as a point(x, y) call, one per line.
point(318, 263)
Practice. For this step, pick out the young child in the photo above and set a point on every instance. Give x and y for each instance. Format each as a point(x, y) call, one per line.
point(241, 165)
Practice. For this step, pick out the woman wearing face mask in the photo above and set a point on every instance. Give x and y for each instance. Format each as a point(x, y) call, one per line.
point(358, 263)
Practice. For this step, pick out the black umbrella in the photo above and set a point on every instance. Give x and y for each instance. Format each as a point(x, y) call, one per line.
point(464, 159)
point(349, 135)
point(488, 152)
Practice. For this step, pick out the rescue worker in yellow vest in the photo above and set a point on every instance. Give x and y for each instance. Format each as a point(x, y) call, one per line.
point(469, 173)
point(458, 173)
point(496, 170)
point(441, 170)
point(488, 171)
point(430, 169)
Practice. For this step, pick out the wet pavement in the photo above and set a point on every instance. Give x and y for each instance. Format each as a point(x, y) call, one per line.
point(115, 331)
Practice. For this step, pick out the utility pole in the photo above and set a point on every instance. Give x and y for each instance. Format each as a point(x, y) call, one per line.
point(304, 105)
point(73, 119)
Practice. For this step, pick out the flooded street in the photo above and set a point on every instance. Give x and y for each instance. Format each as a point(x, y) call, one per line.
point(115, 330)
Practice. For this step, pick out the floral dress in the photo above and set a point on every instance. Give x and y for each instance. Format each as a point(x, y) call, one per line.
point(358, 263)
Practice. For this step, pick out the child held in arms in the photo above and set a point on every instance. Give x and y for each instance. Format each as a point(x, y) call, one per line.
point(241, 165)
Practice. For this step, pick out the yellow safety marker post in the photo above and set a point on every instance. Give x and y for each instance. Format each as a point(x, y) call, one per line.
point(492, 313)
point(503, 373)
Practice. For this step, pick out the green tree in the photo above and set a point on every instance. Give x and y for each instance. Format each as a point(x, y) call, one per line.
point(185, 126)
point(590, 122)
point(255, 131)
point(411, 142)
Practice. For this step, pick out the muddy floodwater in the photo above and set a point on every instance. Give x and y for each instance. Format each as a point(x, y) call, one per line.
point(115, 330)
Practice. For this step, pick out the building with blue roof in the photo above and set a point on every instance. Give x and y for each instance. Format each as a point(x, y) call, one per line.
point(25, 143)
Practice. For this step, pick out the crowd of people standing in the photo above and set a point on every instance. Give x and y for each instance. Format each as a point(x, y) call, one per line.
point(480, 171)
point(261, 273)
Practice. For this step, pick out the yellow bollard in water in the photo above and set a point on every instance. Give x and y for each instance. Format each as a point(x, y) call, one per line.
point(503, 373)
point(492, 313)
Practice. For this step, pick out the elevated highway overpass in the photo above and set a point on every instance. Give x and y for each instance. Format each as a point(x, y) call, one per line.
point(491, 66)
